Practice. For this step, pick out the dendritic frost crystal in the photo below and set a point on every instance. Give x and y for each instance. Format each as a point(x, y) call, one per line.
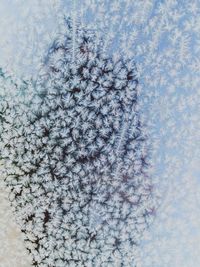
point(76, 156)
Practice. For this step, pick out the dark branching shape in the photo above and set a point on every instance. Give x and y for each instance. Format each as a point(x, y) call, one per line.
point(76, 159)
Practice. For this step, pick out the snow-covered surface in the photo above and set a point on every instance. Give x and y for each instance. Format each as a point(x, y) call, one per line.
point(164, 38)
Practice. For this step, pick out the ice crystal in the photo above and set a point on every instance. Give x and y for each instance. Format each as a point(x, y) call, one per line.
point(76, 155)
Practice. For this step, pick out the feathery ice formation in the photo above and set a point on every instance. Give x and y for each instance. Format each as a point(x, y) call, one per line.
point(76, 157)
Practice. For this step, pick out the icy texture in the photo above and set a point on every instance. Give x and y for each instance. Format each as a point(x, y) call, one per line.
point(163, 38)
point(12, 250)
point(75, 156)
point(27, 29)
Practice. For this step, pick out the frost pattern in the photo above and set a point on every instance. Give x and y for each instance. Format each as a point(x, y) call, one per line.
point(27, 28)
point(163, 37)
point(76, 156)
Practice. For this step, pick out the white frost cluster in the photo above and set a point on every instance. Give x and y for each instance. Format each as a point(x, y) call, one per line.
point(76, 156)
point(163, 37)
